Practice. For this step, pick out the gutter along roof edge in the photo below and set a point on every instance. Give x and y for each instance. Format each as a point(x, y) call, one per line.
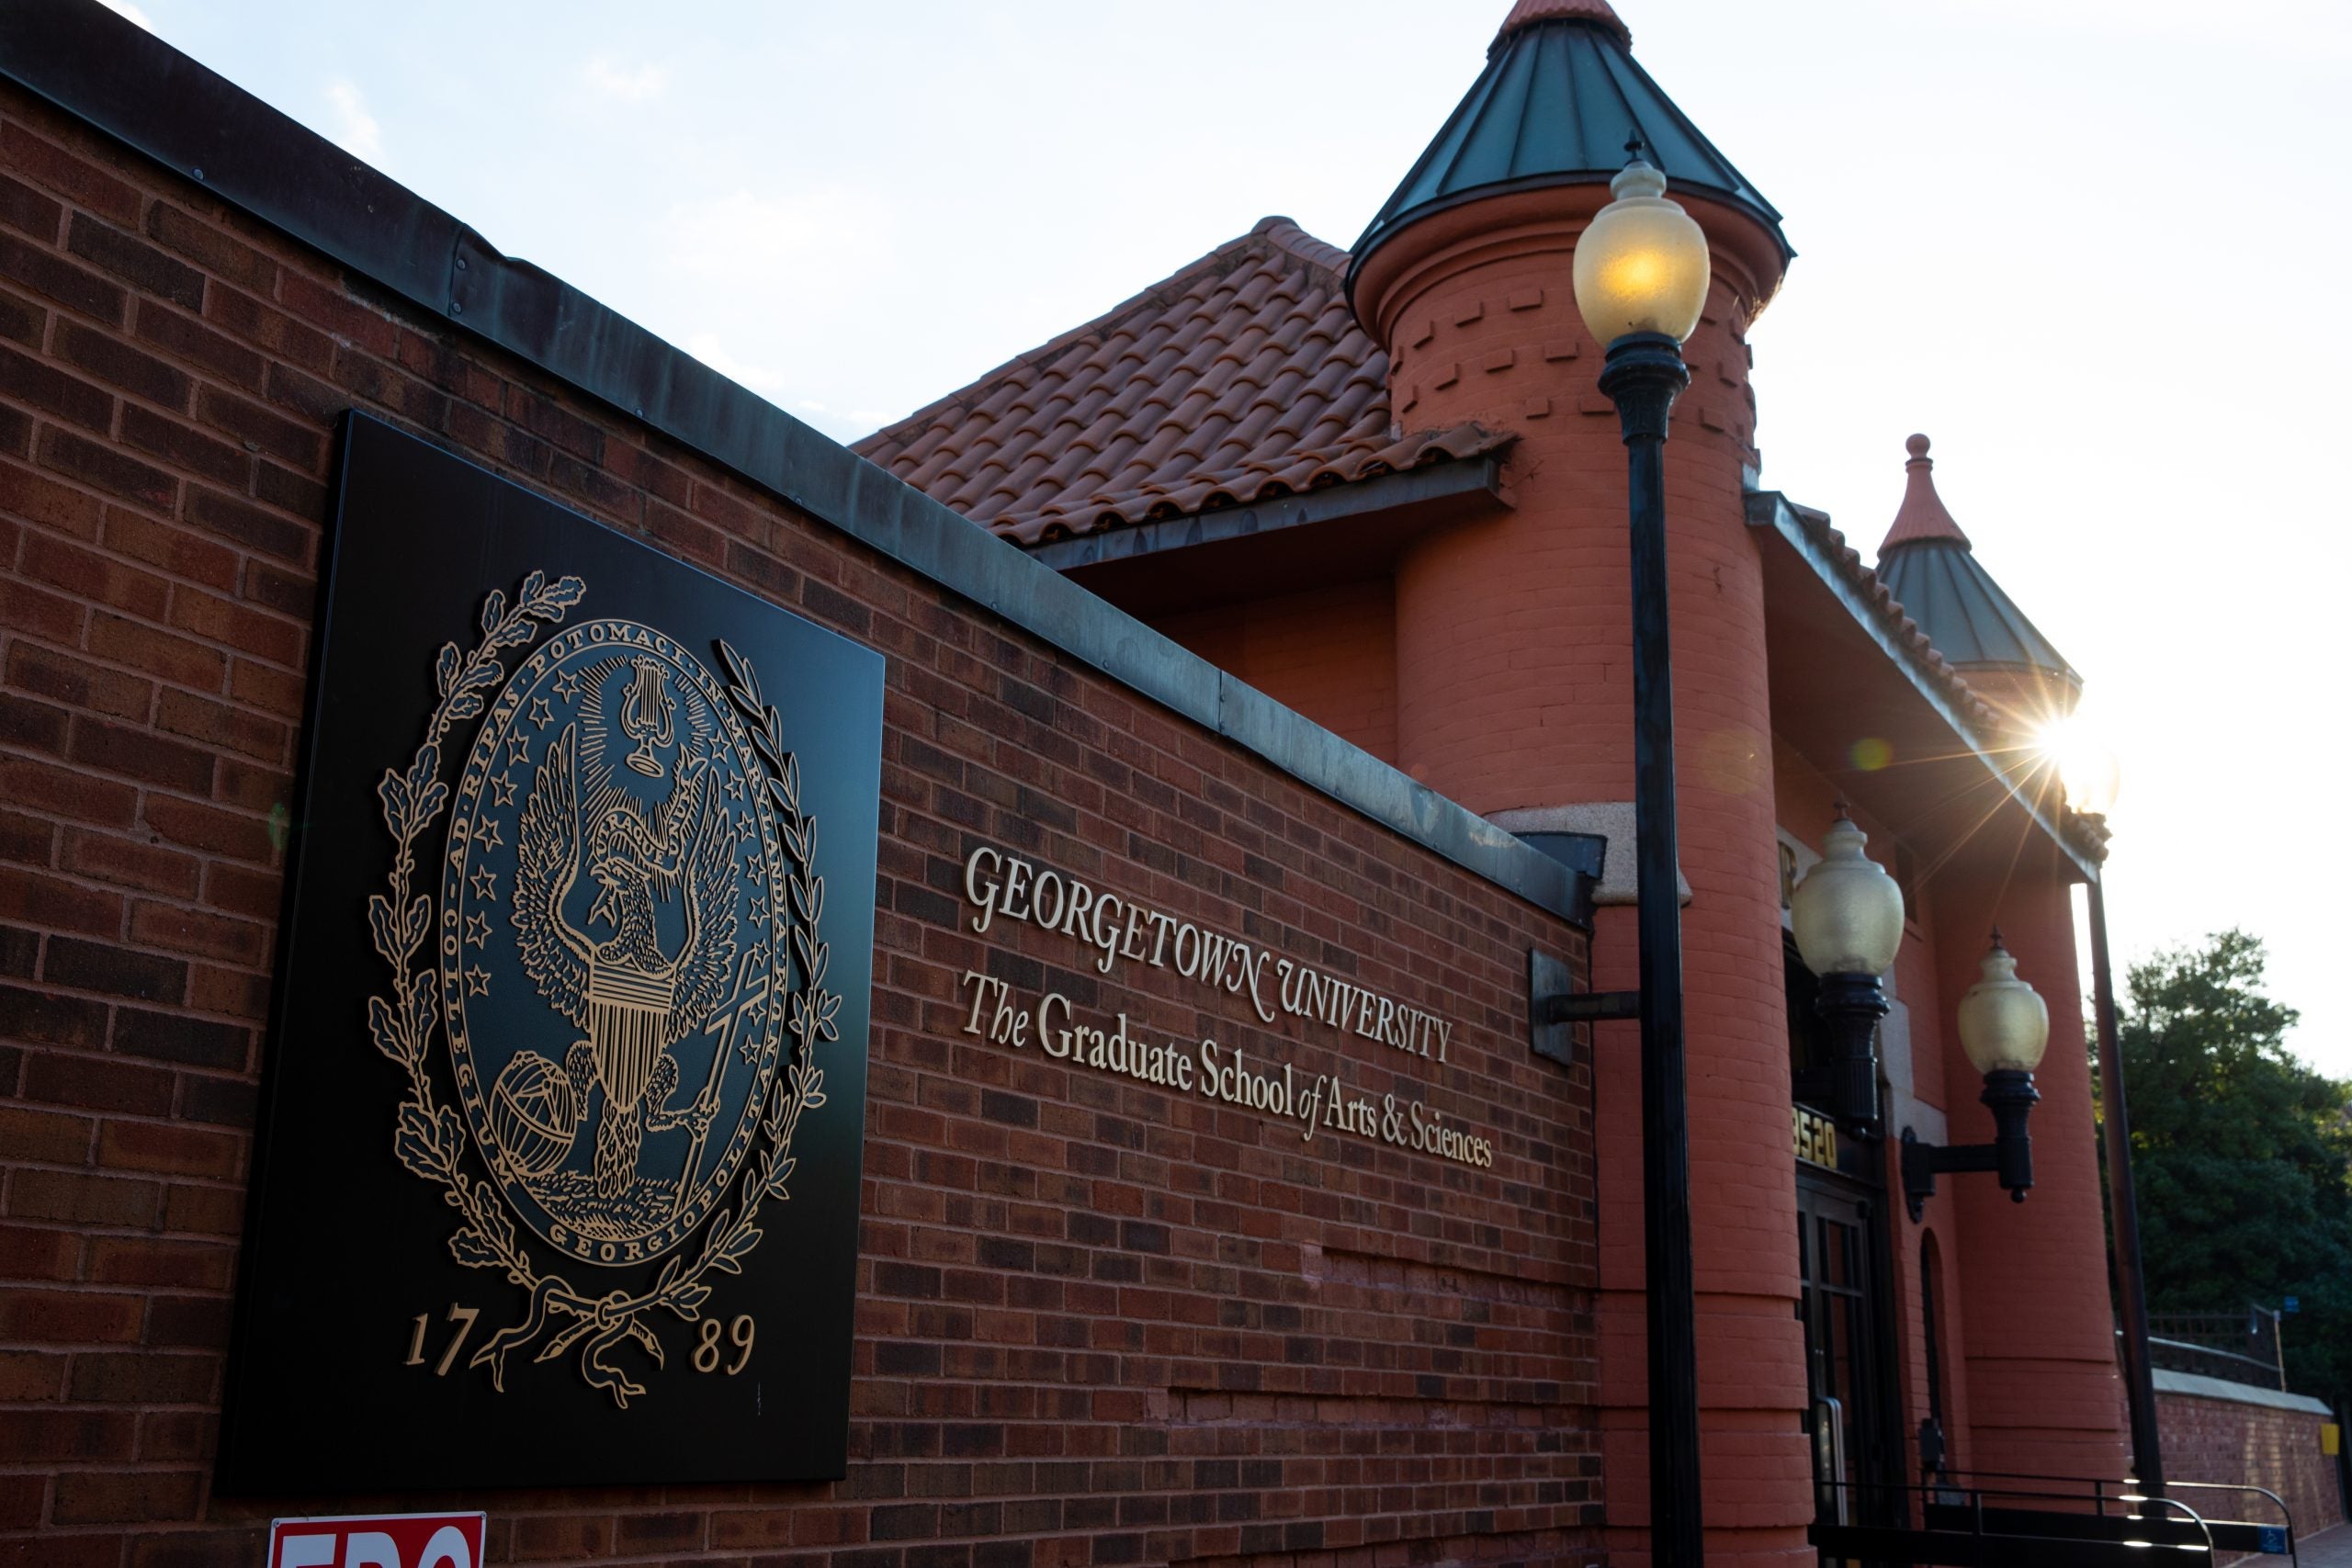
point(1349, 500)
point(1770, 509)
point(113, 76)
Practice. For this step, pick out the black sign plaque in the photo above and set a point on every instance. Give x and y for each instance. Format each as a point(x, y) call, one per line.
point(558, 1175)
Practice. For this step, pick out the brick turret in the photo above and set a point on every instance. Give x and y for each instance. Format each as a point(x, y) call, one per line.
point(1931, 568)
point(1515, 693)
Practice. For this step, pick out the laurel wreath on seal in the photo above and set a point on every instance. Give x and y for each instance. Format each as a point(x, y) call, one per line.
point(431, 1138)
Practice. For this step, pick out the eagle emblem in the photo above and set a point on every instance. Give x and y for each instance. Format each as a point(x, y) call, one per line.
point(610, 846)
point(627, 974)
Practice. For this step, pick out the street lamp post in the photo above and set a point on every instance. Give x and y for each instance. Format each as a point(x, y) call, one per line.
point(1641, 275)
point(2091, 778)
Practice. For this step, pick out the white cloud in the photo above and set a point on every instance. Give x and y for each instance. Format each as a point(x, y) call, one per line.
point(125, 8)
point(813, 244)
point(707, 347)
point(756, 280)
point(356, 129)
point(641, 85)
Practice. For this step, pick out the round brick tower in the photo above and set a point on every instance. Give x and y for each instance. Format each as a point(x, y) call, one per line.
point(2044, 1398)
point(1515, 687)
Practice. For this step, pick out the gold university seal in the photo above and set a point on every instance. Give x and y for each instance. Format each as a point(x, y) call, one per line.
point(623, 962)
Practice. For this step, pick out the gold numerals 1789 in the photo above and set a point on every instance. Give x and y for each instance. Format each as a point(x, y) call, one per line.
point(710, 1352)
point(707, 1353)
point(463, 1316)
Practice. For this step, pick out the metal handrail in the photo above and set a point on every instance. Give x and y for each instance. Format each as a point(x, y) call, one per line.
point(2100, 1495)
point(2098, 1487)
point(2284, 1512)
point(2271, 1373)
point(2041, 1493)
point(2204, 1527)
point(1976, 1495)
point(1829, 1407)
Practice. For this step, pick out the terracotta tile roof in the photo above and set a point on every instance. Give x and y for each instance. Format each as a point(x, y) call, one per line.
point(1242, 377)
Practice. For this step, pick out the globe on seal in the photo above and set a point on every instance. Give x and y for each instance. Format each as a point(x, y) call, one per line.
point(534, 1111)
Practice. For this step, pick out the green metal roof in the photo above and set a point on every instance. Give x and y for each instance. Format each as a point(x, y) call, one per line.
point(1926, 562)
point(1558, 101)
point(1942, 586)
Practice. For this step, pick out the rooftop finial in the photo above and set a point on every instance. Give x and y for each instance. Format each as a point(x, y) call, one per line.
point(1527, 13)
point(1922, 518)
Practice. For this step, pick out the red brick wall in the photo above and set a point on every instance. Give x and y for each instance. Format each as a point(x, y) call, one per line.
point(2219, 1439)
point(1098, 1324)
point(1330, 653)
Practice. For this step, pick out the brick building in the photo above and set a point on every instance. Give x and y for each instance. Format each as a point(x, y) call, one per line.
point(1303, 624)
point(1384, 487)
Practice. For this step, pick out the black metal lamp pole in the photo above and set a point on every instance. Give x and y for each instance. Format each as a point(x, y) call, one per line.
point(1643, 376)
point(1642, 275)
point(2124, 1201)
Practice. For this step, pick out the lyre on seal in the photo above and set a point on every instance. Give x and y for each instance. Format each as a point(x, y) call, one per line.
point(647, 717)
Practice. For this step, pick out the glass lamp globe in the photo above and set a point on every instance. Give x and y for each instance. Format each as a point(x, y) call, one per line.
point(2004, 1024)
point(1641, 264)
point(1848, 912)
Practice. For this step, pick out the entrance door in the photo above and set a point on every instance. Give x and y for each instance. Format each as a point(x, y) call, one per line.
point(1837, 1236)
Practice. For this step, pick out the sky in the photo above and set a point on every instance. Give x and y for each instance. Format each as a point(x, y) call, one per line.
point(2086, 245)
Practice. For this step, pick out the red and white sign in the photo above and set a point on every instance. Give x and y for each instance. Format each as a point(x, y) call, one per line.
point(386, 1541)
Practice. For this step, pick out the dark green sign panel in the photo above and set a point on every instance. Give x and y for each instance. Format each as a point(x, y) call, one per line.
point(558, 1176)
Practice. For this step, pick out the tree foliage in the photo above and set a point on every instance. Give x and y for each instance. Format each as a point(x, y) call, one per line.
point(2240, 1152)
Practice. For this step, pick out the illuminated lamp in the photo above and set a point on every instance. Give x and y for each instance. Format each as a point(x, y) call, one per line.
point(2004, 1028)
point(1849, 919)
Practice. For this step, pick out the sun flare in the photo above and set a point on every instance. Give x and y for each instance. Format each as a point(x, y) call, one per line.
point(2086, 763)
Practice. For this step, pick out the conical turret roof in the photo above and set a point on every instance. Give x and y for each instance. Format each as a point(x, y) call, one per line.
point(1923, 515)
point(1559, 100)
point(1932, 571)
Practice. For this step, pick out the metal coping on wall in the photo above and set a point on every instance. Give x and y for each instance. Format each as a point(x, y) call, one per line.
point(2191, 1385)
point(114, 76)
